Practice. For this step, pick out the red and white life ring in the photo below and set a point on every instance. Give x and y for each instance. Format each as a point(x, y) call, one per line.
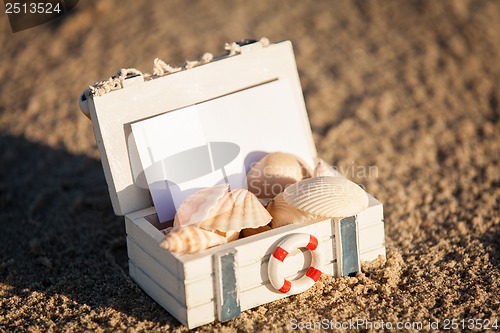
point(290, 243)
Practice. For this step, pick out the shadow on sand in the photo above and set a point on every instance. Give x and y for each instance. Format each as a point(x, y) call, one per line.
point(59, 235)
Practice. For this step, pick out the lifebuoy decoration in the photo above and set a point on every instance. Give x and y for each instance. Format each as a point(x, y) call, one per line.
point(290, 243)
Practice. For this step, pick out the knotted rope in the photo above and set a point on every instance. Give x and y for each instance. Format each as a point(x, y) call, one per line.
point(160, 68)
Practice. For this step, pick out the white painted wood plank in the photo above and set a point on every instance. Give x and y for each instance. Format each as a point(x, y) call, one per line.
point(143, 228)
point(158, 293)
point(149, 238)
point(194, 294)
point(193, 317)
point(201, 315)
point(372, 215)
point(371, 237)
point(158, 273)
point(373, 254)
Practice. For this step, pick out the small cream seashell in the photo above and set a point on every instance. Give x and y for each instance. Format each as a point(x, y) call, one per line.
point(232, 211)
point(284, 214)
point(275, 171)
point(190, 240)
point(327, 196)
point(254, 231)
point(324, 169)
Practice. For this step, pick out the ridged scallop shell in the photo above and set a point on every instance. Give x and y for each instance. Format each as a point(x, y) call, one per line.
point(284, 214)
point(190, 240)
point(324, 169)
point(327, 196)
point(275, 171)
point(237, 209)
point(232, 211)
point(199, 206)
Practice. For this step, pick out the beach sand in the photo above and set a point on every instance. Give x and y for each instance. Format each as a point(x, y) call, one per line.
point(409, 88)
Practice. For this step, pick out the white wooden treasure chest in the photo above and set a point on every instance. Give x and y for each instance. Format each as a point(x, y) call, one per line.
point(253, 99)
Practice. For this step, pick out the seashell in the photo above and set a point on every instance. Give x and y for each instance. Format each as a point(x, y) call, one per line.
point(237, 209)
point(199, 206)
point(275, 171)
point(190, 240)
point(232, 211)
point(324, 169)
point(284, 214)
point(327, 196)
point(254, 231)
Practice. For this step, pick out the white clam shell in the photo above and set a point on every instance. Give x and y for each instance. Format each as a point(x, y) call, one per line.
point(284, 214)
point(327, 196)
point(275, 171)
point(222, 210)
point(324, 169)
point(190, 240)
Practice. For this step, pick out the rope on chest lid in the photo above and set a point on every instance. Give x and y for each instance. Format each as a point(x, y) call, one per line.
point(160, 68)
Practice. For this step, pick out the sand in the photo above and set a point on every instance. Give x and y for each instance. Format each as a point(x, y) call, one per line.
point(411, 88)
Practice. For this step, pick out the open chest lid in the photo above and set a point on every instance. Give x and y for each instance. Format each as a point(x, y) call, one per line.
point(252, 100)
